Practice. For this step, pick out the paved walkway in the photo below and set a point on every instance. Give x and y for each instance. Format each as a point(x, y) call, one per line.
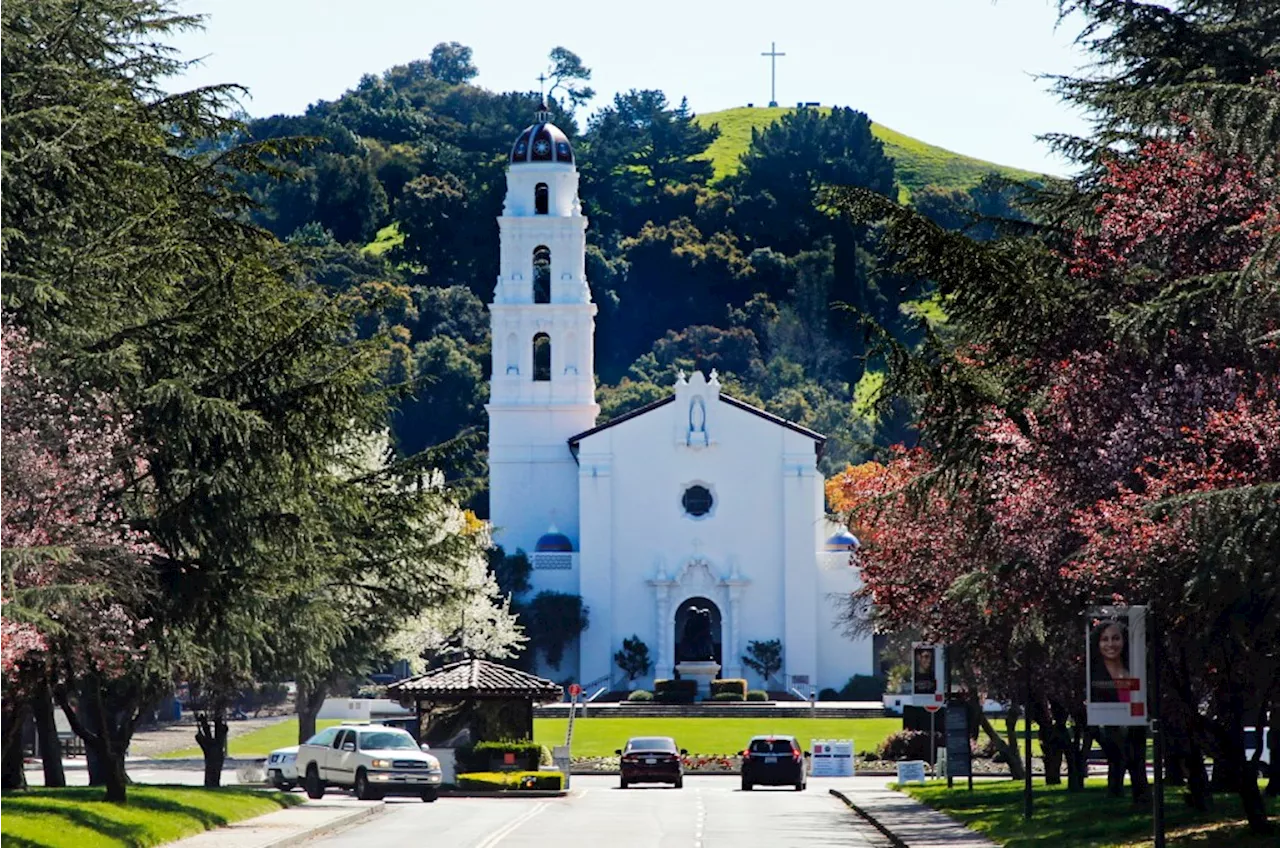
point(285, 827)
point(182, 734)
point(907, 822)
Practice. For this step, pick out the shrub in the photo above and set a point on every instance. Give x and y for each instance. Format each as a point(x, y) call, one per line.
point(675, 691)
point(482, 756)
point(907, 745)
point(728, 696)
point(863, 687)
point(737, 686)
point(828, 694)
point(511, 780)
point(757, 695)
point(640, 695)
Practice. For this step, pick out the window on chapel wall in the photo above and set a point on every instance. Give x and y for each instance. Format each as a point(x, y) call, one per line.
point(542, 274)
point(541, 357)
point(540, 199)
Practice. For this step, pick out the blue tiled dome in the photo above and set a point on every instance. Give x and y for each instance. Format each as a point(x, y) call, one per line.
point(842, 541)
point(553, 541)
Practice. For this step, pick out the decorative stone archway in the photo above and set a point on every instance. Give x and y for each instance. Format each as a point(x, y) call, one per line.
point(697, 579)
point(681, 622)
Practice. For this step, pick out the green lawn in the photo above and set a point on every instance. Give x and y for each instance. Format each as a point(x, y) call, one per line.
point(918, 164)
point(78, 816)
point(599, 737)
point(257, 743)
point(1089, 819)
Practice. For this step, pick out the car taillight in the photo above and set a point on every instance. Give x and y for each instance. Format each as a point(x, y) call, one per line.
point(796, 755)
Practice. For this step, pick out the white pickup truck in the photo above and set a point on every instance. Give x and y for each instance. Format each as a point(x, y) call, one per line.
point(372, 760)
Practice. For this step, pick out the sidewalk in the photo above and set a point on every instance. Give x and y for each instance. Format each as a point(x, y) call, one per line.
point(906, 822)
point(283, 827)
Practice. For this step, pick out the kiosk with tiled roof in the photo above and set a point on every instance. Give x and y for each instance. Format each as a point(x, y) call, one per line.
point(473, 700)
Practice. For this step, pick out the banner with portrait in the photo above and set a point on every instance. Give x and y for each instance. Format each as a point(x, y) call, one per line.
point(1116, 665)
point(927, 683)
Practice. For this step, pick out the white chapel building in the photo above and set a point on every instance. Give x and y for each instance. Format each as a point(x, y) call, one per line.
point(696, 500)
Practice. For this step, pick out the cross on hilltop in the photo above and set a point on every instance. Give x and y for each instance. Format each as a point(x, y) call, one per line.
point(773, 55)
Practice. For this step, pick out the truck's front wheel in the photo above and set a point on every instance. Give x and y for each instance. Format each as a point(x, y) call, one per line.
point(363, 790)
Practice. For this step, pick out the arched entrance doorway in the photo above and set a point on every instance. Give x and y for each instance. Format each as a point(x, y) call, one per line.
point(698, 632)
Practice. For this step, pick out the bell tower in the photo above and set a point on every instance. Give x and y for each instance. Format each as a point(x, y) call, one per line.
point(542, 389)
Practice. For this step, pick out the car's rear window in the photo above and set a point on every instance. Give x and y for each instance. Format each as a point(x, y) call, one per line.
point(653, 743)
point(770, 746)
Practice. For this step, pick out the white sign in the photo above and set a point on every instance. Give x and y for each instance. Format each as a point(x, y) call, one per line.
point(562, 761)
point(910, 771)
point(1116, 666)
point(928, 686)
point(831, 758)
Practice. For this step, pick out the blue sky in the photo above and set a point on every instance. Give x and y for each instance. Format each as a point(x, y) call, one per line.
point(956, 73)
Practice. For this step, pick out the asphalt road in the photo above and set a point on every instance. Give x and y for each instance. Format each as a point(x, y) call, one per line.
point(708, 811)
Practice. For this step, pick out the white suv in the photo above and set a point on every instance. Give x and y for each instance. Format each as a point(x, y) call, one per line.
point(372, 760)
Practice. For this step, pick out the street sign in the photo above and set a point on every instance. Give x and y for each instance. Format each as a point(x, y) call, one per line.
point(575, 690)
point(932, 708)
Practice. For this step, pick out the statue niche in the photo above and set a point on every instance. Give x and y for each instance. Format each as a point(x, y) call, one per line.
point(698, 631)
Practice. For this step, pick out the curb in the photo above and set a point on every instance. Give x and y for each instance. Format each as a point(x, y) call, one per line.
point(340, 823)
point(884, 831)
point(519, 793)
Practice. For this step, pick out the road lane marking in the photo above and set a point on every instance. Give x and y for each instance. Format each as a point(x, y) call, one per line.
point(511, 826)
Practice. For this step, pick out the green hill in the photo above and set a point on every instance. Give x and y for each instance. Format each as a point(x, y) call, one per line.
point(918, 164)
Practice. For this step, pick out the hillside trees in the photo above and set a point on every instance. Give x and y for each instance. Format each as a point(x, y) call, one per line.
point(451, 62)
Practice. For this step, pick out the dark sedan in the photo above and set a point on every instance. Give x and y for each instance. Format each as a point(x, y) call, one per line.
point(773, 761)
point(652, 759)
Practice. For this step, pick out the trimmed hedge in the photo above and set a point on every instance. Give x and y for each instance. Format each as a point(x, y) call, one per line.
point(480, 756)
point(736, 685)
point(640, 695)
point(675, 691)
point(757, 695)
point(728, 696)
point(511, 780)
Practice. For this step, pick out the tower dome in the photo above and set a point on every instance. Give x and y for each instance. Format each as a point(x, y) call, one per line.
point(542, 141)
point(842, 541)
point(553, 541)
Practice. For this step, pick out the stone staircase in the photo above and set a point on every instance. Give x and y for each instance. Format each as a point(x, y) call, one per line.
point(733, 710)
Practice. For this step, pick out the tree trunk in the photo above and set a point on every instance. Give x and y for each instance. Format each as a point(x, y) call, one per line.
point(47, 734)
point(211, 734)
point(309, 702)
point(12, 773)
point(106, 733)
point(1010, 753)
point(1078, 759)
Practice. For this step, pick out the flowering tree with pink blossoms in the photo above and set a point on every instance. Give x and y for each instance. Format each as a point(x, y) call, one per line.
point(72, 560)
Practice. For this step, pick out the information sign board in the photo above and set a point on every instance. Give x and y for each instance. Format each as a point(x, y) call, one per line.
point(831, 758)
point(959, 760)
point(910, 771)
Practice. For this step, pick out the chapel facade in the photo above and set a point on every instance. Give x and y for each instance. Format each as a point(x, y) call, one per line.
point(698, 506)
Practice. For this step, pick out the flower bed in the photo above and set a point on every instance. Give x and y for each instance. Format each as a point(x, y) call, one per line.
point(732, 764)
point(697, 763)
point(496, 781)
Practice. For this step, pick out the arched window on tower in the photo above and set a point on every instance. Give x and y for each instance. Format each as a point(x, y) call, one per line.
point(540, 199)
point(541, 357)
point(542, 274)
